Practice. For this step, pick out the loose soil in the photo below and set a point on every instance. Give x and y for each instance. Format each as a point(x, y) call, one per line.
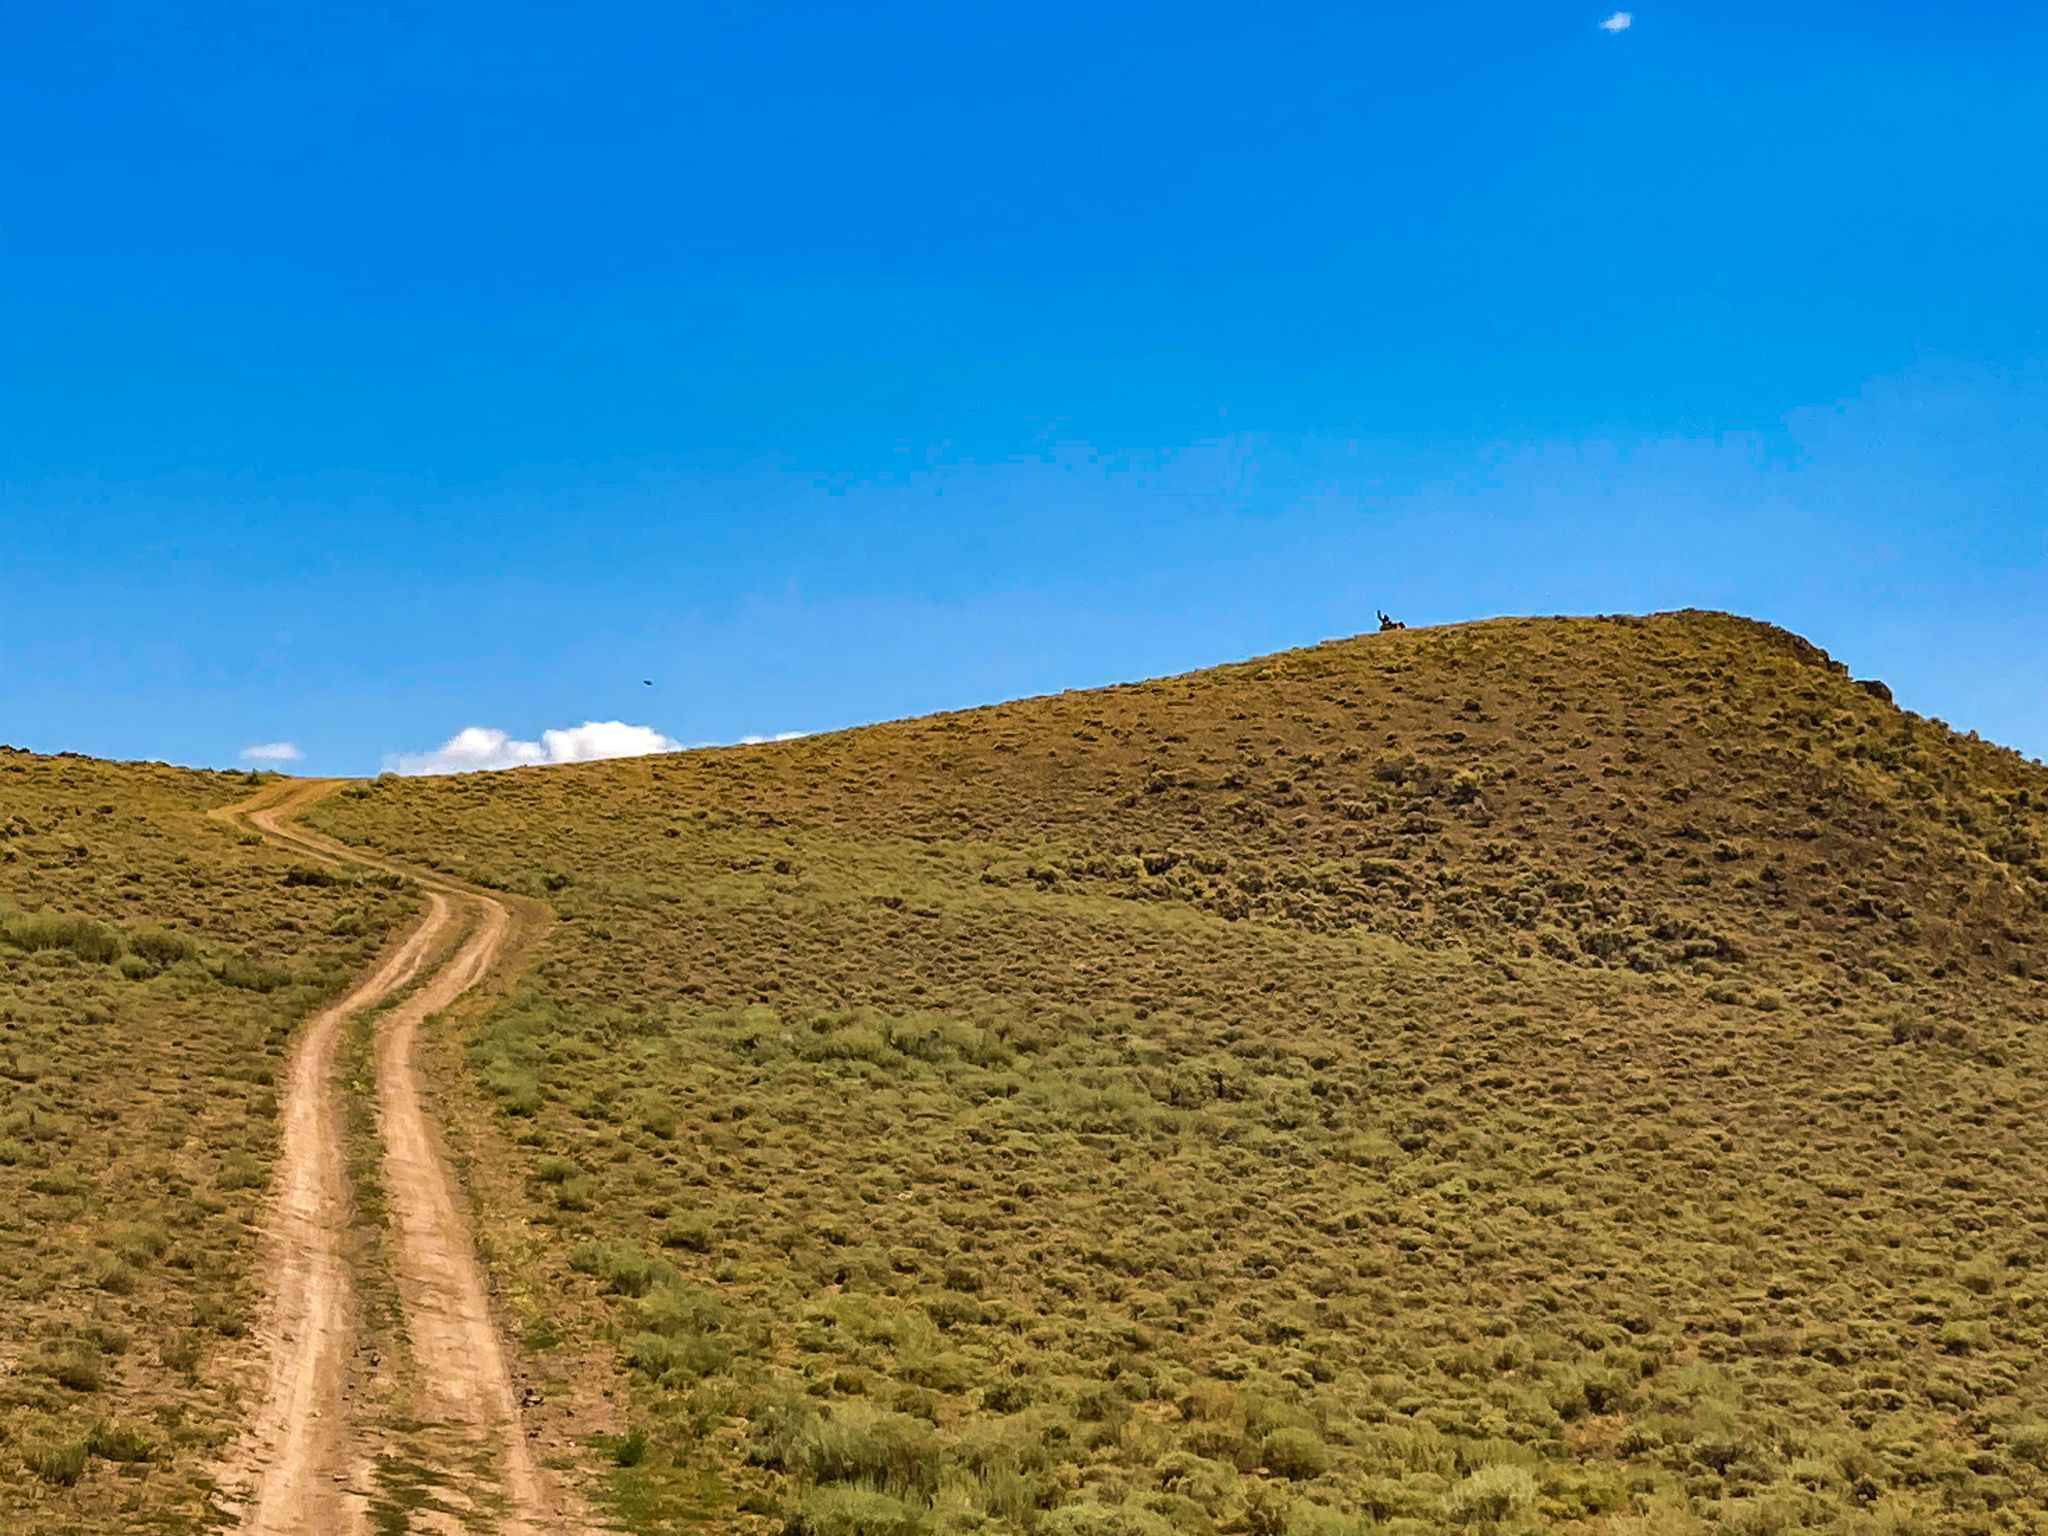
point(319, 1456)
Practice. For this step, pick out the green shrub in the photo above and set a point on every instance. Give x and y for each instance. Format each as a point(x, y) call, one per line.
point(76, 1369)
point(1296, 1454)
point(555, 1170)
point(1310, 1519)
point(2028, 1441)
point(119, 1442)
point(950, 1309)
point(251, 975)
point(1580, 1390)
point(779, 1423)
point(161, 948)
point(883, 1451)
point(221, 1315)
point(140, 1242)
point(60, 1464)
point(1959, 1336)
point(675, 1310)
point(1089, 1518)
point(623, 1268)
point(692, 1234)
point(657, 1355)
point(1491, 1495)
point(60, 1181)
point(1664, 1517)
point(37, 931)
point(516, 1089)
point(240, 1171)
point(854, 1512)
point(1893, 1515)
point(659, 1121)
point(1005, 1397)
point(850, 1042)
point(942, 1370)
point(109, 1274)
point(1196, 1477)
point(1225, 1443)
point(1763, 1515)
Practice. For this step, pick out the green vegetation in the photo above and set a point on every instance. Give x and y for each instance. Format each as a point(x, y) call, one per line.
point(152, 969)
point(1537, 1076)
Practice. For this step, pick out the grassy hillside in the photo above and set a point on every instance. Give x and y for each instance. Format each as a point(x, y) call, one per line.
point(151, 970)
point(1576, 1075)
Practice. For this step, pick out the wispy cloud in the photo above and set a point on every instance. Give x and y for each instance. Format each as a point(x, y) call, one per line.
point(272, 752)
point(1620, 21)
point(760, 741)
point(477, 747)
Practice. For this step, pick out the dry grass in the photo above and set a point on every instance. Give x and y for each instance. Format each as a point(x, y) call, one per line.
point(1544, 1075)
point(151, 971)
point(1562, 1075)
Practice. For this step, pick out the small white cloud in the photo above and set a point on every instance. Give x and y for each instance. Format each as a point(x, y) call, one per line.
point(1620, 21)
point(762, 741)
point(596, 739)
point(272, 752)
point(477, 747)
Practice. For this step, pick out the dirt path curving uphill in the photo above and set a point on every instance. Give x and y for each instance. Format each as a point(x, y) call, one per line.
point(306, 1444)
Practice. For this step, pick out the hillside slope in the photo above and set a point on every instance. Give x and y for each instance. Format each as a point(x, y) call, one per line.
point(153, 965)
point(1575, 1074)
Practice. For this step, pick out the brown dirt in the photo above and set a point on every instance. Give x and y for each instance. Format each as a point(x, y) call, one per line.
point(304, 1464)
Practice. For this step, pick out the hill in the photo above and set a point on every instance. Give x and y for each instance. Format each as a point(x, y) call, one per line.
point(154, 962)
point(1542, 1074)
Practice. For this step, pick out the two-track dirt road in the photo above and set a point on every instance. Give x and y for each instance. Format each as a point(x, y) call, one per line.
point(308, 1462)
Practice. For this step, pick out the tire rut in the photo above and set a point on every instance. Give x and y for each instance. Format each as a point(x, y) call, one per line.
point(301, 1466)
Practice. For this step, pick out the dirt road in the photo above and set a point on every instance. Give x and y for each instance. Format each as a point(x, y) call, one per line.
point(309, 1462)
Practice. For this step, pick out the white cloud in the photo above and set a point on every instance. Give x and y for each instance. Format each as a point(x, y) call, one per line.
point(272, 752)
point(477, 747)
point(1620, 21)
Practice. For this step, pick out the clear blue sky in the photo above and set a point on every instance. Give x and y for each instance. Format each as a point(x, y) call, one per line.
point(371, 371)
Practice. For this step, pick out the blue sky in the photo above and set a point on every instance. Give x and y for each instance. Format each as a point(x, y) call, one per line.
point(371, 372)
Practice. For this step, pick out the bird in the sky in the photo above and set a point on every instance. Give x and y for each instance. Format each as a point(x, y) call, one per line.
point(646, 682)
